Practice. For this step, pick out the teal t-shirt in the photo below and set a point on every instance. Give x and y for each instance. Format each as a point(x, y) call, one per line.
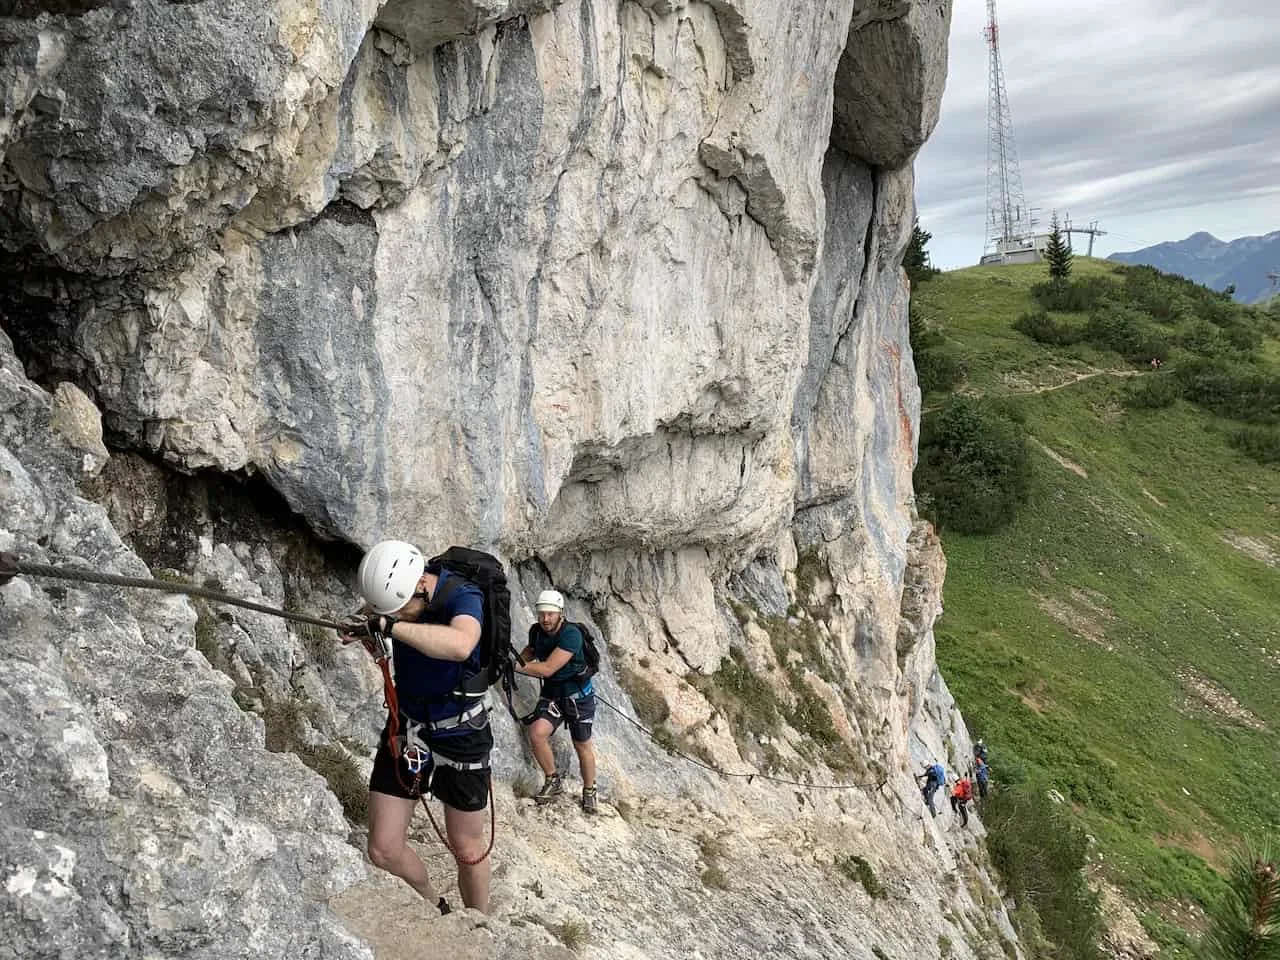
point(565, 680)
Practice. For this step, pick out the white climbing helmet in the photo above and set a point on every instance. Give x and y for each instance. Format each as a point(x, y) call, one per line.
point(389, 575)
point(550, 600)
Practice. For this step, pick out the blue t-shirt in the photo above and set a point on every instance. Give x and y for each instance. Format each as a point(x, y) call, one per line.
point(420, 679)
point(565, 680)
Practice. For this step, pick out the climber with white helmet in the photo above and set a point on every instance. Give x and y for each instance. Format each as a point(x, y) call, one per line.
point(557, 654)
point(427, 621)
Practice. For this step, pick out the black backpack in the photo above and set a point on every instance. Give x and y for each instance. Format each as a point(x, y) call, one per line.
point(486, 572)
point(589, 651)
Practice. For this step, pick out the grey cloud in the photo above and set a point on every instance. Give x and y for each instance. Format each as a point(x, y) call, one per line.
point(1119, 110)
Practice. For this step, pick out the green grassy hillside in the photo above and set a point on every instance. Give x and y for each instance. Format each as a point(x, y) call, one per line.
point(1119, 639)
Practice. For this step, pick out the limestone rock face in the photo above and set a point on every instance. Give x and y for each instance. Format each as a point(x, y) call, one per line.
point(135, 796)
point(612, 288)
point(78, 420)
point(889, 84)
point(453, 269)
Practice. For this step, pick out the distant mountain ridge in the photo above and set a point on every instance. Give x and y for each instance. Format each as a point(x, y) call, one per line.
point(1204, 258)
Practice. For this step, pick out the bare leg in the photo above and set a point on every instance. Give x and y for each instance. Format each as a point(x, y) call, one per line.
point(468, 833)
point(388, 826)
point(540, 743)
point(586, 761)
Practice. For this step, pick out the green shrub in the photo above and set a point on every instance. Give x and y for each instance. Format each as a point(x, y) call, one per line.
point(811, 717)
point(1235, 343)
point(1150, 290)
point(1079, 296)
point(856, 868)
point(747, 701)
point(207, 641)
point(1170, 298)
point(1261, 443)
point(1152, 392)
point(572, 933)
point(1245, 338)
point(1237, 391)
point(1042, 328)
point(1040, 854)
point(343, 777)
point(650, 705)
point(915, 260)
point(1126, 331)
point(974, 468)
point(320, 644)
point(938, 372)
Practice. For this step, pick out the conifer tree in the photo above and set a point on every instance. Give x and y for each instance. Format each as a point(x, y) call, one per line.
point(1058, 254)
point(916, 260)
point(1245, 925)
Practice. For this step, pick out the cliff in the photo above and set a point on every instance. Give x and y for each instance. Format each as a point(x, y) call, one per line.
point(610, 288)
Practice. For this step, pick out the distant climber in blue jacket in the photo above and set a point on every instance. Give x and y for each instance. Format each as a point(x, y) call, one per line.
point(933, 777)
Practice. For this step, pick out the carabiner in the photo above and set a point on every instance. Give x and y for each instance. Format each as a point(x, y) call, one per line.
point(417, 759)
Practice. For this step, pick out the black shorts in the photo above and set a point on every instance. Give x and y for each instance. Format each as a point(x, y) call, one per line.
point(466, 790)
point(578, 712)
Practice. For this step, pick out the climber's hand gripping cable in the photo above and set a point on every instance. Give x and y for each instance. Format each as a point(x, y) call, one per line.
point(373, 632)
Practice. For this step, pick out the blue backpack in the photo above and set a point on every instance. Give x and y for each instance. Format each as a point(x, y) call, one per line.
point(937, 775)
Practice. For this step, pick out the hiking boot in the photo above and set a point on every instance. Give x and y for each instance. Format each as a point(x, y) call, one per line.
point(550, 790)
point(590, 803)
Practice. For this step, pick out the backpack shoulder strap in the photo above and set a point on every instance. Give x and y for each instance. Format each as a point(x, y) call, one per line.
point(444, 591)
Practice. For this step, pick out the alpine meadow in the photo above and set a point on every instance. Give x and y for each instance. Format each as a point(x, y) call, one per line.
point(1100, 455)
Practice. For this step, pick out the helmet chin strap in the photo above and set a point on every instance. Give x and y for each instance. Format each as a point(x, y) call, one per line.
point(422, 594)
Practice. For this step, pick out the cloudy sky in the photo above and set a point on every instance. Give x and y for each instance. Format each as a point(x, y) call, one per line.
point(1156, 117)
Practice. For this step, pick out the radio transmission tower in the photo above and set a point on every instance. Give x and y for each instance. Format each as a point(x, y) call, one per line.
point(1008, 220)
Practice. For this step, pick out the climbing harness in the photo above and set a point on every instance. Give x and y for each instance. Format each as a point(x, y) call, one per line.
point(418, 757)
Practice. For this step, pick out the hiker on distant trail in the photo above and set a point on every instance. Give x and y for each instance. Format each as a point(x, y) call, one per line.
point(934, 776)
point(432, 619)
point(960, 797)
point(982, 773)
point(556, 653)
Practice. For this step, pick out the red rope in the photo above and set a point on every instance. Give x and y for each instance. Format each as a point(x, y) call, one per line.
point(392, 703)
point(493, 831)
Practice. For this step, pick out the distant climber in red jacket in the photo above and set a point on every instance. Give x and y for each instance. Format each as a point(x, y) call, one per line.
point(960, 797)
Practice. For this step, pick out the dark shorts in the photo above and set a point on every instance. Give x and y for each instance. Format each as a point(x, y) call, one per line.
point(466, 790)
point(578, 713)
